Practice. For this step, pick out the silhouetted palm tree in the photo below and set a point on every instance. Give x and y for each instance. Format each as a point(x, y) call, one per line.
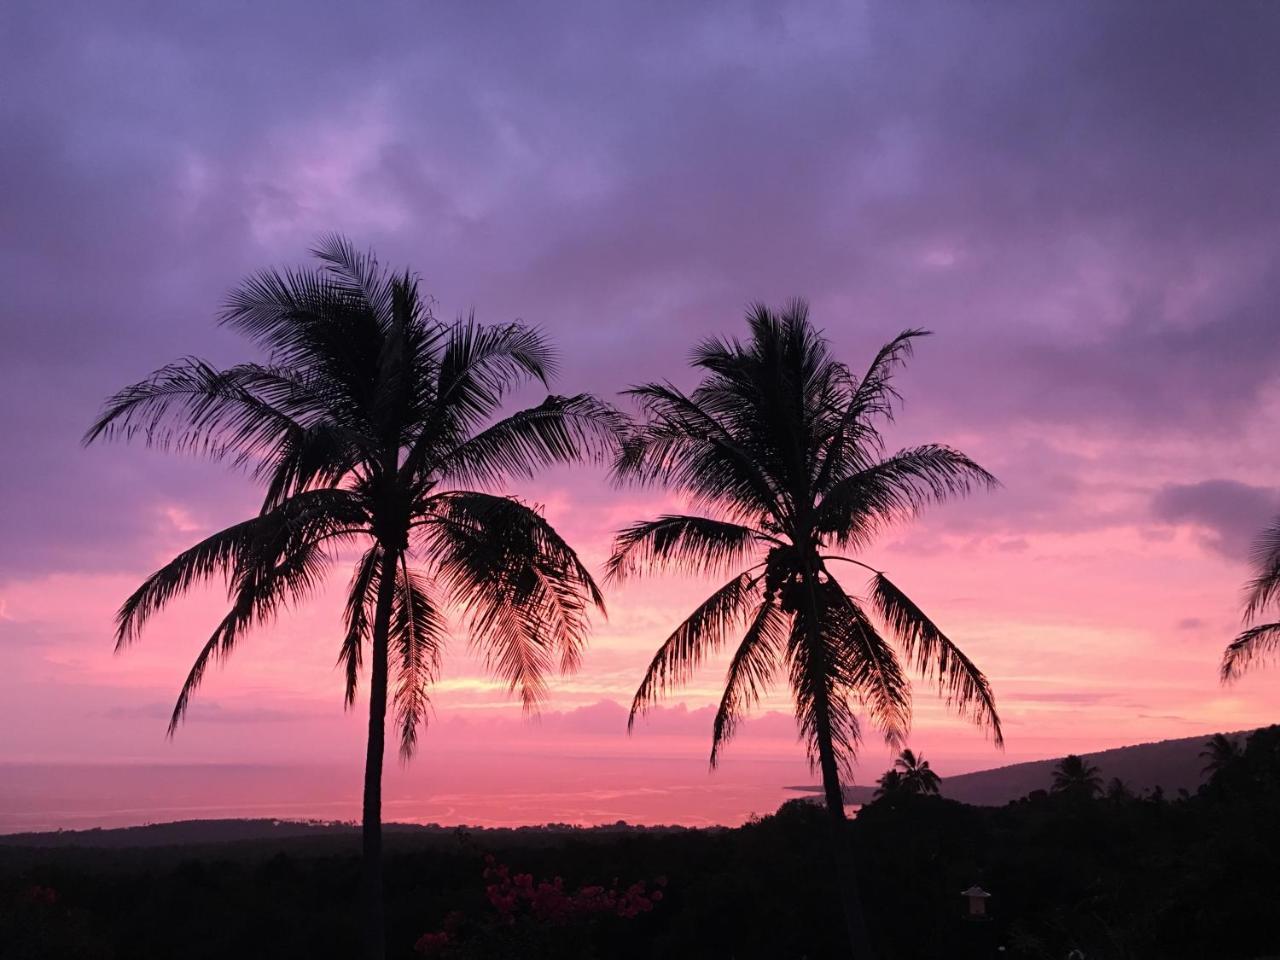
point(917, 777)
point(779, 448)
point(1220, 753)
point(1074, 776)
point(1118, 790)
point(367, 425)
point(890, 784)
point(1259, 640)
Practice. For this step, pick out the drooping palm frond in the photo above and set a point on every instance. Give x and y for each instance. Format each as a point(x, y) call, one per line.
point(190, 406)
point(702, 633)
point(417, 640)
point(522, 589)
point(683, 543)
point(358, 617)
point(1251, 646)
point(260, 590)
point(821, 687)
point(867, 665)
point(961, 683)
point(1264, 588)
point(751, 670)
point(305, 519)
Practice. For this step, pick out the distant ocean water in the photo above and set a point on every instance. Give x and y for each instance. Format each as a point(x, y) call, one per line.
point(517, 790)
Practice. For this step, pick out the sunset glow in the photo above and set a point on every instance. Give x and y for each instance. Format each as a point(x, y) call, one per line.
point(1099, 274)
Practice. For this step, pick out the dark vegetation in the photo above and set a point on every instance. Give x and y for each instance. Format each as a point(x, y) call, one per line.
point(1087, 867)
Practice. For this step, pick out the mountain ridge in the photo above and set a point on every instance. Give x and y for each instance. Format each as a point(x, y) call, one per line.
point(1172, 765)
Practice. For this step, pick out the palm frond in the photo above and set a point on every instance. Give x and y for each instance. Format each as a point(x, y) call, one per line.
point(190, 406)
point(682, 543)
point(702, 633)
point(358, 617)
point(865, 664)
point(1252, 645)
point(684, 446)
point(310, 517)
point(270, 581)
point(964, 687)
point(860, 505)
point(559, 430)
point(417, 637)
point(1265, 586)
point(821, 694)
point(873, 397)
point(750, 672)
point(521, 588)
point(480, 364)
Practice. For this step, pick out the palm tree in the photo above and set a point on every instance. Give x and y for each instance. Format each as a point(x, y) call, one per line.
point(369, 425)
point(889, 785)
point(1220, 753)
point(1074, 776)
point(1257, 641)
point(779, 449)
point(917, 777)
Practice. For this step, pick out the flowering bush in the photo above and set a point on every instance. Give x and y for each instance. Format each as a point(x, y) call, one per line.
point(520, 899)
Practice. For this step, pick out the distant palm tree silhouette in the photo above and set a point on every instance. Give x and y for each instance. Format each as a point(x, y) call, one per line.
point(367, 424)
point(1073, 775)
point(780, 449)
point(1220, 753)
point(917, 777)
point(890, 784)
point(1259, 640)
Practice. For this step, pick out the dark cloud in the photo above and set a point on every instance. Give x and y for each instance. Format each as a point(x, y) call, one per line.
point(1080, 199)
point(1228, 514)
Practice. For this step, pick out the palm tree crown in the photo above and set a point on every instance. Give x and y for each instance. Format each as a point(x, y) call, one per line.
point(1074, 775)
point(1257, 641)
point(1220, 753)
point(917, 776)
point(779, 450)
point(376, 428)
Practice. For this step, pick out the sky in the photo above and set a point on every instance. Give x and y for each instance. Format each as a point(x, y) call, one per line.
point(1080, 200)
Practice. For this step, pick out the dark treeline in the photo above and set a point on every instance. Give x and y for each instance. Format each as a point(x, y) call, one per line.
point(1084, 867)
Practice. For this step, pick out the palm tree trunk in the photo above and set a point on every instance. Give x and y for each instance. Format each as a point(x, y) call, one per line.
point(374, 925)
point(846, 872)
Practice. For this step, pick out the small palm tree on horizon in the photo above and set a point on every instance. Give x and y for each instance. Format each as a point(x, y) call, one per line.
point(889, 784)
point(1258, 642)
point(917, 776)
point(372, 425)
point(1220, 753)
point(779, 449)
point(1075, 776)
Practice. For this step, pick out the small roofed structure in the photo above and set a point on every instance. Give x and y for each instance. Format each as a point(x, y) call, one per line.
point(977, 901)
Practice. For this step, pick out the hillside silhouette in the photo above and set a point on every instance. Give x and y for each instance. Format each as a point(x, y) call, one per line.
point(1171, 765)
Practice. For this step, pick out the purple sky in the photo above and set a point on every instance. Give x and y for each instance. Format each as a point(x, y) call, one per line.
point(1080, 199)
